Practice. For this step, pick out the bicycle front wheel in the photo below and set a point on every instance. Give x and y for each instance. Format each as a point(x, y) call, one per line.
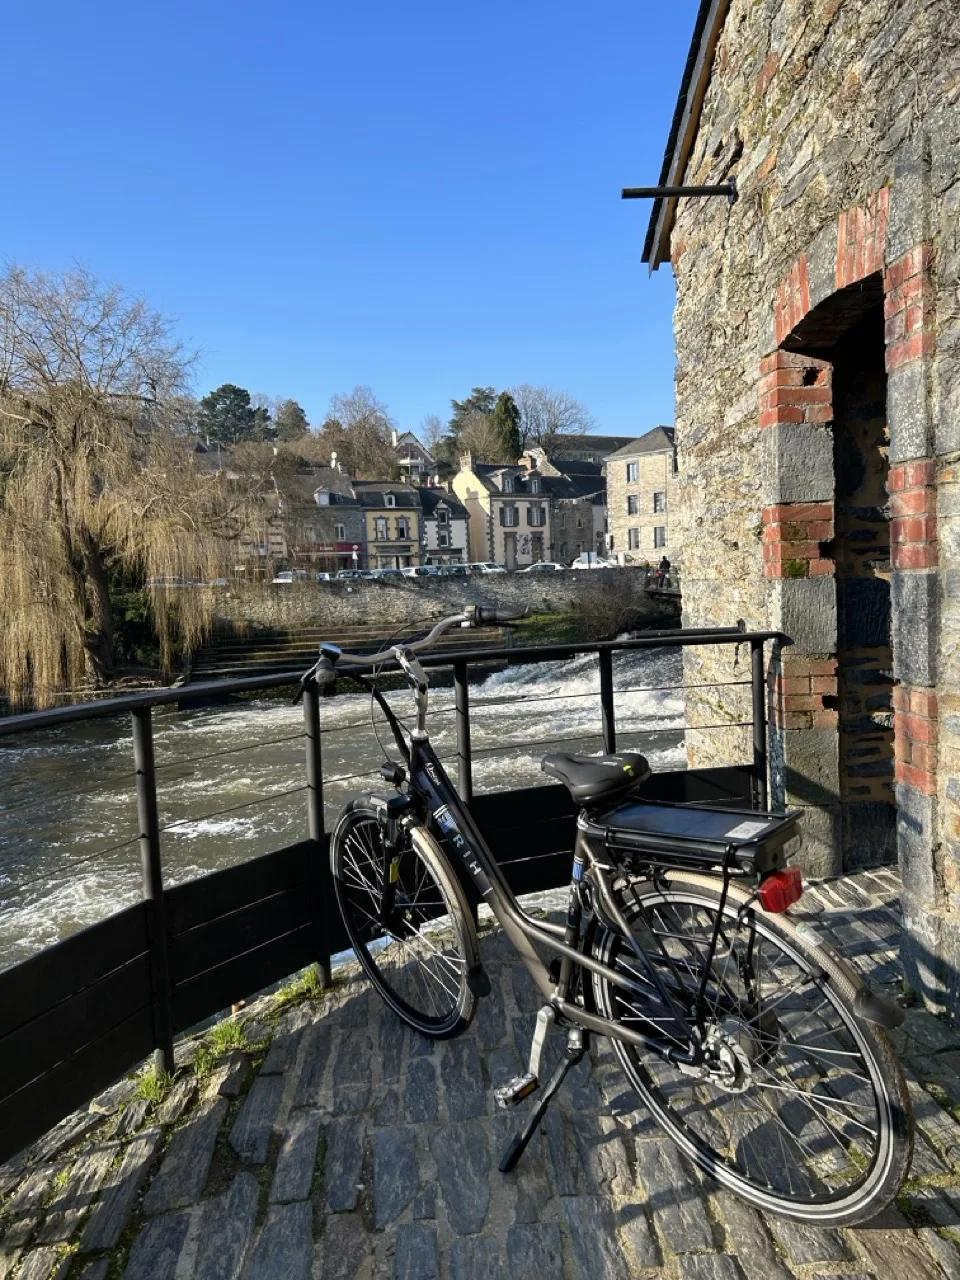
point(419, 954)
point(801, 1107)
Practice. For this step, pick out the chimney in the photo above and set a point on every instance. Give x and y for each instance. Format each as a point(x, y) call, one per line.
point(393, 437)
point(466, 462)
point(333, 459)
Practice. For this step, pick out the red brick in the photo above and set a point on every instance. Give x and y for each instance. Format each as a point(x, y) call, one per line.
point(802, 702)
point(915, 555)
point(911, 349)
point(911, 502)
point(823, 684)
point(798, 511)
point(920, 473)
point(822, 568)
point(901, 697)
point(798, 720)
point(902, 748)
point(894, 329)
point(794, 550)
point(814, 666)
point(919, 779)
point(923, 703)
point(917, 728)
point(816, 413)
point(796, 684)
point(826, 719)
point(924, 757)
point(914, 529)
point(896, 479)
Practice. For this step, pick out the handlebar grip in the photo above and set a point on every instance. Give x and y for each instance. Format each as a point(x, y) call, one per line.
point(484, 617)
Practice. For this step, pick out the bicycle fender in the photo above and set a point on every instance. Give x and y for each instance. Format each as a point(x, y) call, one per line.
point(868, 1006)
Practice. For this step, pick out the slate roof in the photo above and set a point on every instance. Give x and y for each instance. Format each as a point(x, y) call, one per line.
point(430, 499)
point(370, 493)
point(659, 440)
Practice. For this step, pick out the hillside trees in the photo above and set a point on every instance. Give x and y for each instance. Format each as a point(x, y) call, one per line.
point(290, 421)
point(229, 416)
point(96, 475)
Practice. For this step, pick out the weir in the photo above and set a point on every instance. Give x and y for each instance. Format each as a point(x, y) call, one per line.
point(77, 1015)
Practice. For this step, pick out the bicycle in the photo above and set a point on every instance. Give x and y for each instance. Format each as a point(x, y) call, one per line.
point(755, 1046)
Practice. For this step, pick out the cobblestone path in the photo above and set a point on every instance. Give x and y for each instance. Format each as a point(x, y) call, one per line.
point(344, 1148)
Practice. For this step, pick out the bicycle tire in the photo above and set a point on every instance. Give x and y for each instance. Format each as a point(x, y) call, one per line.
point(885, 1170)
point(391, 959)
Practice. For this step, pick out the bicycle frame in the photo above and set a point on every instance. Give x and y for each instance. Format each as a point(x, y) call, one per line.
point(463, 842)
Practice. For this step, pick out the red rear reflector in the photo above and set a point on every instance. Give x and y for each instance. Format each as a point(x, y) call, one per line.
point(782, 889)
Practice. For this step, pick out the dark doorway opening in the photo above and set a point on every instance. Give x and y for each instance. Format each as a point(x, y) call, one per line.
point(862, 556)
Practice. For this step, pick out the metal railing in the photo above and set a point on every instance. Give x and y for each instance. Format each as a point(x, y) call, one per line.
point(181, 954)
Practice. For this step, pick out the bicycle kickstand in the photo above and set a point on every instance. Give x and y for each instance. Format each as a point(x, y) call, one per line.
point(576, 1046)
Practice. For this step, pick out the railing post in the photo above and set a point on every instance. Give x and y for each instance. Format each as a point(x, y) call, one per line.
point(148, 822)
point(608, 720)
point(464, 754)
point(321, 885)
point(758, 689)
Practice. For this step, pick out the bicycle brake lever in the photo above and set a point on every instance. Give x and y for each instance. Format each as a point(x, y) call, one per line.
point(304, 681)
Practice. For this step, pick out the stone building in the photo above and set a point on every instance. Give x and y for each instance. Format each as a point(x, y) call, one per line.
point(577, 492)
point(818, 418)
point(509, 512)
point(641, 499)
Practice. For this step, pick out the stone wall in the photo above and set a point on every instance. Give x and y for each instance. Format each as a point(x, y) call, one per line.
point(840, 121)
point(393, 602)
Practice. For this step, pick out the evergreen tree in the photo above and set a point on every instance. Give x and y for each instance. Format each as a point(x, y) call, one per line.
point(226, 416)
point(290, 421)
point(505, 420)
point(481, 400)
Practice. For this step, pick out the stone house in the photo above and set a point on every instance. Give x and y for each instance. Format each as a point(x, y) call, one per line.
point(414, 460)
point(320, 521)
point(818, 419)
point(445, 523)
point(642, 499)
point(508, 509)
point(578, 503)
point(392, 530)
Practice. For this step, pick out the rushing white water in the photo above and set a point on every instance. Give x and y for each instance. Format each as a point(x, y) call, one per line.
point(226, 779)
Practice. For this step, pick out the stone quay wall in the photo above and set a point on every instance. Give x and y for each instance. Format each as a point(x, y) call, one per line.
point(838, 265)
point(396, 601)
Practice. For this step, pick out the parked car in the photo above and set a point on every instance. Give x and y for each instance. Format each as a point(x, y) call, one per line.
point(387, 573)
point(485, 566)
point(353, 573)
point(542, 566)
point(325, 577)
point(590, 560)
point(420, 571)
point(292, 575)
point(452, 571)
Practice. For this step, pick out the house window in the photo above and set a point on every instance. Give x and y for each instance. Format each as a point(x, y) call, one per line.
point(562, 518)
point(563, 551)
point(660, 501)
point(633, 472)
point(380, 534)
point(443, 515)
point(508, 484)
point(403, 527)
point(389, 500)
point(633, 539)
point(509, 516)
point(579, 519)
point(443, 538)
point(340, 532)
point(534, 484)
point(633, 504)
point(536, 516)
point(660, 535)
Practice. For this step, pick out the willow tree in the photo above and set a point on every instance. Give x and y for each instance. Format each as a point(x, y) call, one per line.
point(96, 472)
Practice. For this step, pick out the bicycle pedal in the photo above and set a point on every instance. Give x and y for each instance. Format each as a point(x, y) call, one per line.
point(515, 1090)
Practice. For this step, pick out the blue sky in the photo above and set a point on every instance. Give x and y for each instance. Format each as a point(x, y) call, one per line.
point(420, 196)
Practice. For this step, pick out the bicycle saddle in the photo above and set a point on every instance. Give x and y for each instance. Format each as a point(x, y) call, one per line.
point(590, 779)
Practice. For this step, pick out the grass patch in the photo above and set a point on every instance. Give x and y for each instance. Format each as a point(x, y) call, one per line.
point(154, 1084)
point(221, 1039)
point(305, 986)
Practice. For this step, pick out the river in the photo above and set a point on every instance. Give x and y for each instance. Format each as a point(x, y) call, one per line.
point(230, 779)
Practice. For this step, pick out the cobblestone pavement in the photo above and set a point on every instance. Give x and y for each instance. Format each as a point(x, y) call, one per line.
point(343, 1147)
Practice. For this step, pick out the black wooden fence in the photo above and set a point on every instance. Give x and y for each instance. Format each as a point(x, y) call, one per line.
point(77, 1015)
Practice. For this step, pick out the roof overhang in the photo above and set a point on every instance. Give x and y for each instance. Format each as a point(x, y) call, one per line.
point(683, 130)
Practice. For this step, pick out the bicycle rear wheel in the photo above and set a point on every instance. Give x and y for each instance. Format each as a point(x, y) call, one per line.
point(803, 1109)
point(420, 956)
